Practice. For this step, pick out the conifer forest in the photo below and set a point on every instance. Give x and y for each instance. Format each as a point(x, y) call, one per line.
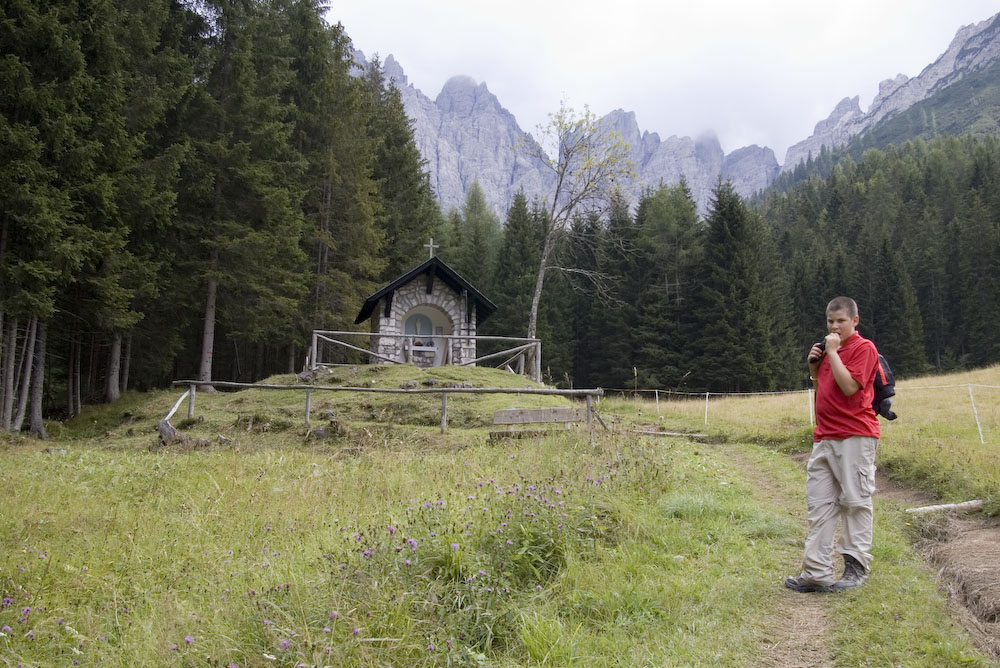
point(190, 188)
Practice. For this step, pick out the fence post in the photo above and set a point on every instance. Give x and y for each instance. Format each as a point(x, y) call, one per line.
point(308, 405)
point(313, 355)
point(590, 412)
point(656, 393)
point(444, 412)
point(976, 414)
point(812, 418)
point(538, 362)
point(191, 403)
point(706, 408)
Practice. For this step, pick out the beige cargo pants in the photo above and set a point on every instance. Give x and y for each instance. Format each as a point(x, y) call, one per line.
point(839, 487)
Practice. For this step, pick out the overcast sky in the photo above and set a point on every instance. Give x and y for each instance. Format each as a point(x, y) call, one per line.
point(753, 71)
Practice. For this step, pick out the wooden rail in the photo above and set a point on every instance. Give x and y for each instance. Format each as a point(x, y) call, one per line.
point(520, 352)
point(443, 391)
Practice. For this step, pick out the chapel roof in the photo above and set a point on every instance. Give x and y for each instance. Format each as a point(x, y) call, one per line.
point(438, 269)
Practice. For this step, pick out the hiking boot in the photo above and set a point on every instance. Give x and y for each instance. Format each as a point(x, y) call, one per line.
point(854, 574)
point(799, 583)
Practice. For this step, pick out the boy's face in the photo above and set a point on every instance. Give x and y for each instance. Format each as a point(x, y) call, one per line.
point(841, 324)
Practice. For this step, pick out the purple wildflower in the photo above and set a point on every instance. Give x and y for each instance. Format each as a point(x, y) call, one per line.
point(334, 614)
point(326, 629)
point(285, 644)
point(356, 631)
point(6, 629)
point(189, 639)
point(391, 529)
point(454, 546)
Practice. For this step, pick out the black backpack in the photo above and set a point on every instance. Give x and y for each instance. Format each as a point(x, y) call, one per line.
point(885, 389)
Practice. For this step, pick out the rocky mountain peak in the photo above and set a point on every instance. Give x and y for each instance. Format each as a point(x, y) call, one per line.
point(393, 70)
point(973, 48)
point(461, 95)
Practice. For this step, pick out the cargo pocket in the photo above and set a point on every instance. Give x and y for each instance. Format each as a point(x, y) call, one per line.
point(866, 480)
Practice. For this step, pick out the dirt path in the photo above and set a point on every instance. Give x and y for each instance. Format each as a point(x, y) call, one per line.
point(798, 633)
point(964, 550)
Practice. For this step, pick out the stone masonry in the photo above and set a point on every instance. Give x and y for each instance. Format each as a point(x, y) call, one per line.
point(452, 306)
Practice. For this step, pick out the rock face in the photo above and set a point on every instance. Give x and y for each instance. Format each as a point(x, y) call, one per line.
point(700, 162)
point(466, 135)
point(974, 47)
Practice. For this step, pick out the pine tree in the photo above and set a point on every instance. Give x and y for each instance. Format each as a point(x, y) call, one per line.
point(342, 201)
point(732, 335)
point(515, 269)
point(670, 250)
point(67, 143)
point(410, 214)
point(610, 333)
point(241, 195)
point(479, 238)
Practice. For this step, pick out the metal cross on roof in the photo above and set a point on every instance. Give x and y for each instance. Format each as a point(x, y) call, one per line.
point(432, 246)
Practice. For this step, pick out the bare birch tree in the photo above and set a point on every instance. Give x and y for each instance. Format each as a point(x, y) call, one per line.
point(589, 162)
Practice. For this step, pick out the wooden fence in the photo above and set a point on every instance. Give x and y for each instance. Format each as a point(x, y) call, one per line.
point(524, 358)
point(443, 391)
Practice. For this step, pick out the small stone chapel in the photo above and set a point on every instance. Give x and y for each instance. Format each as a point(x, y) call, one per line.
point(416, 314)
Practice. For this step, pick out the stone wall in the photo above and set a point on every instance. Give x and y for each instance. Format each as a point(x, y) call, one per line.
point(443, 298)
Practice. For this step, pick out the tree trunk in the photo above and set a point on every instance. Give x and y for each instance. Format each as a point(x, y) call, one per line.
point(8, 376)
point(27, 354)
point(258, 371)
point(291, 358)
point(539, 281)
point(37, 426)
point(112, 391)
point(77, 374)
point(208, 336)
point(92, 367)
point(126, 362)
point(3, 355)
point(70, 367)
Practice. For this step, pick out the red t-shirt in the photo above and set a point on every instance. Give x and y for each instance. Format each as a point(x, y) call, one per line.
point(839, 416)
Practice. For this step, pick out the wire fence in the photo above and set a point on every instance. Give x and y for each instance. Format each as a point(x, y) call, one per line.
point(657, 394)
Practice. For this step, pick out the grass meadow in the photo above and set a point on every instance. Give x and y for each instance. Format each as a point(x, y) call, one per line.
point(388, 543)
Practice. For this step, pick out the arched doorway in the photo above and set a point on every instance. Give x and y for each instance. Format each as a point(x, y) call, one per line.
point(425, 325)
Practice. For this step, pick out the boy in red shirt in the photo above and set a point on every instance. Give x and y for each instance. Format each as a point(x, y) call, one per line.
point(841, 470)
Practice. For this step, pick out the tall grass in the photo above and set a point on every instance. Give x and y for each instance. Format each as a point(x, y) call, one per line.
point(388, 543)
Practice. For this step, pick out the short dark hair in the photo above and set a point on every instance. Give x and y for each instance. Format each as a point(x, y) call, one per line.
point(843, 304)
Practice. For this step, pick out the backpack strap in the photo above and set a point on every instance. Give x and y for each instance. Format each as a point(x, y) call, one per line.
point(878, 364)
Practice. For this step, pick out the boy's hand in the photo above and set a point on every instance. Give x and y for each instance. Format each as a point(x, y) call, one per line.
point(815, 355)
point(832, 342)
